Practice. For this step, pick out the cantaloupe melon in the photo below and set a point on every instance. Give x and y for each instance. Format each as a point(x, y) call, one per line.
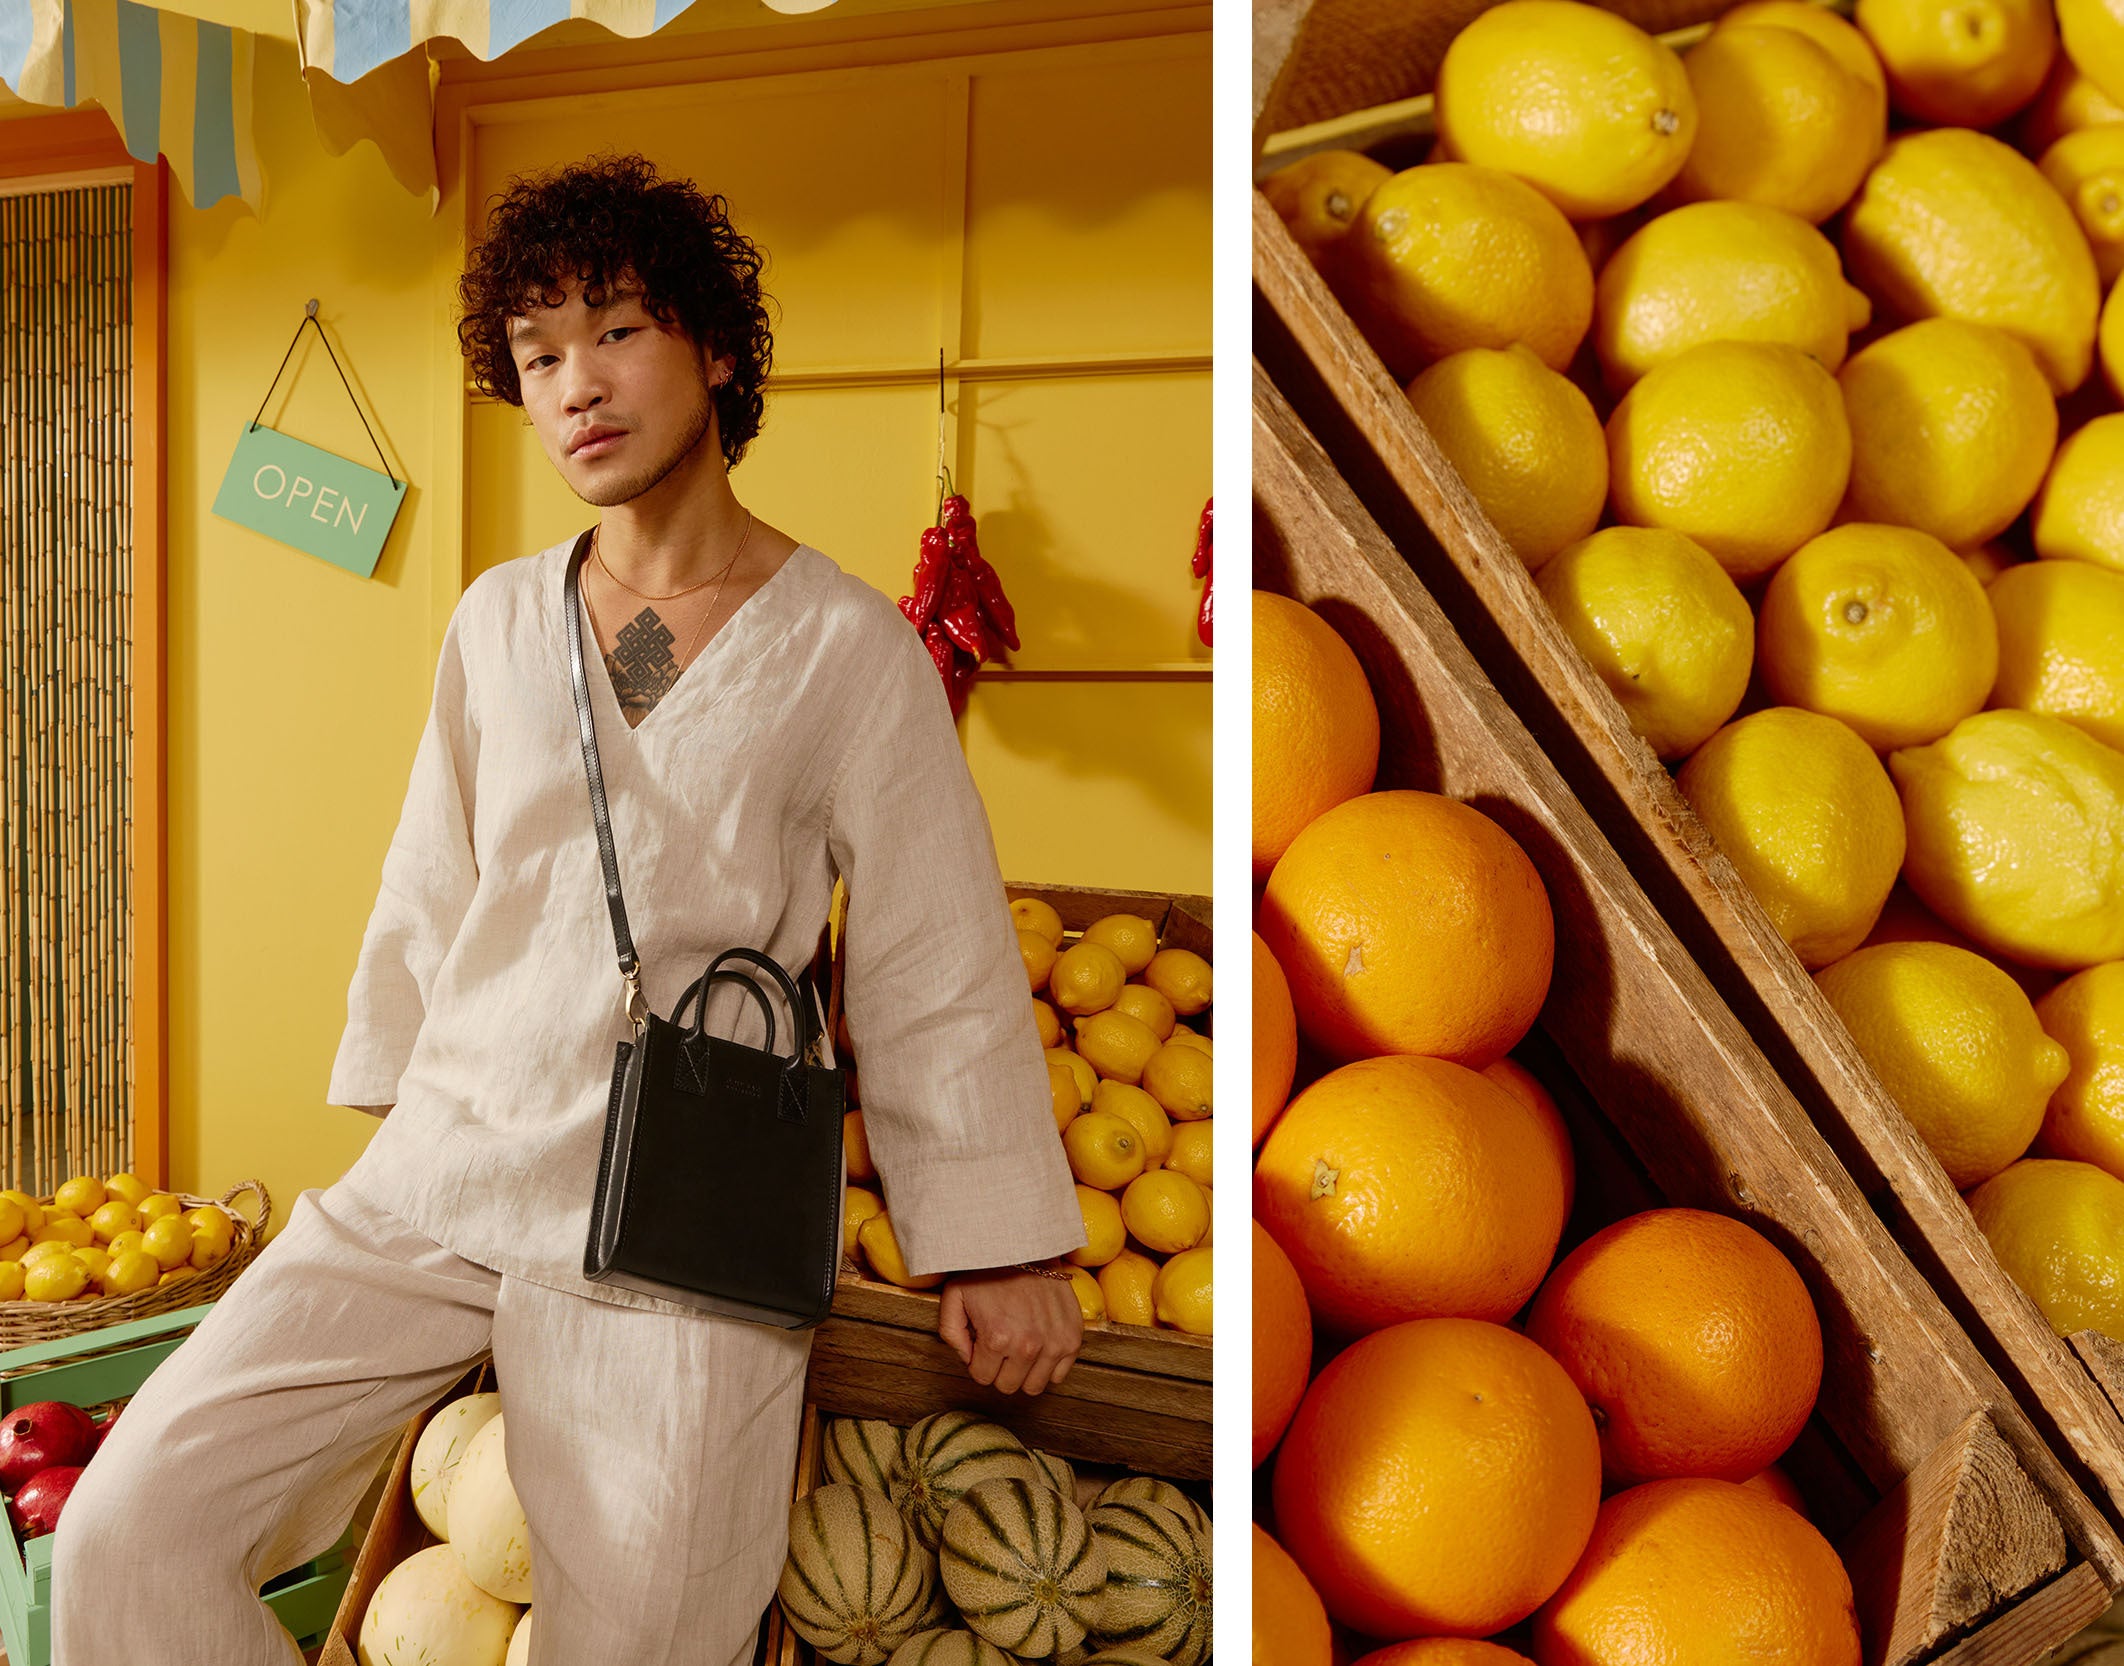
point(426, 1609)
point(488, 1530)
point(1157, 1595)
point(857, 1584)
point(520, 1643)
point(1059, 1475)
point(947, 1453)
point(949, 1647)
point(440, 1449)
point(863, 1451)
point(1022, 1566)
point(1154, 1491)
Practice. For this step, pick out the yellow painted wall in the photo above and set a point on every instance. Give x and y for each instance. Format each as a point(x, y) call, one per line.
point(297, 691)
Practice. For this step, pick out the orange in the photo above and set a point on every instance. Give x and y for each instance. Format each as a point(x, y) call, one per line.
point(1275, 1039)
point(1283, 1343)
point(1775, 1483)
point(1408, 1188)
point(1705, 1572)
point(1443, 1651)
point(1290, 1626)
point(1316, 726)
point(1441, 1477)
point(1517, 1080)
point(1409, 923)
point(1692, 1338)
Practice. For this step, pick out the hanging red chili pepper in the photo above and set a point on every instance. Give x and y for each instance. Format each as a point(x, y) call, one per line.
point(1201, 568)
point(958, 602)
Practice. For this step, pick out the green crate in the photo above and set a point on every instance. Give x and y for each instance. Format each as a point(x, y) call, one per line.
point(110, 1364)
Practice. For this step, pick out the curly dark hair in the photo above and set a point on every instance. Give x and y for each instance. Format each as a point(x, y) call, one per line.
point(606, 219)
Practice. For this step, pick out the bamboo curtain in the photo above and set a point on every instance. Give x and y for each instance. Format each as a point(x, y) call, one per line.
point(66, 577)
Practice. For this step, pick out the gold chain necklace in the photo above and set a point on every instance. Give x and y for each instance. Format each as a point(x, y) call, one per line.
point(713, 601)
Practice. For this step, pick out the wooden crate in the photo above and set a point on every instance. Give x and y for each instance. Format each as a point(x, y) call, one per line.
point(1347, 397)
point(1923, 1429)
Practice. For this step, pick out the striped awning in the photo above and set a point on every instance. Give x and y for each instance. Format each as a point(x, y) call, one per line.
point(172, 84)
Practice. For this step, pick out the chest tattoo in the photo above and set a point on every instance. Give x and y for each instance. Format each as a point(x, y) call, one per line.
point(641, 663)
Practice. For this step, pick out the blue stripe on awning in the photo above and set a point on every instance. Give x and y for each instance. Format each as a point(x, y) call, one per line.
point(666, 10)
point(17, 31)
point(140, 79)
point(368, 33)
point(512, 22)
point(214, 174)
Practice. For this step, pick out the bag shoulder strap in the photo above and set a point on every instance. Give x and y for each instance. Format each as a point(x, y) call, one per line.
point(607, 853)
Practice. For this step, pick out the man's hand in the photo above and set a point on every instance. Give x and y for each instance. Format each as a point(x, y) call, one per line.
point(1014, 1329)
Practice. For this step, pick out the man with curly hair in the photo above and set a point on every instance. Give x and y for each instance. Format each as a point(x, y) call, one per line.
point(767, 722)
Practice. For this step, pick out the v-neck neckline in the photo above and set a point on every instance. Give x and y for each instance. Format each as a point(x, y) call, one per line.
point(717, 645)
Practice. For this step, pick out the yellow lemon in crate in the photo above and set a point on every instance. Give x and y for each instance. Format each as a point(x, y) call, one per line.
point(1579, 102)
point(126, 1241)
point(12, 1221)
point(1956, 1044)
point(46, 1249)
point(2111, 340)
point(1843, 42)
point(11, 1285)
point(211, 1220)
point(1182, 1036)
point(2088, 170)
point(1882, 627)
point(2079, 514)
point(1165, 1211)
point(1116, 1045)
point(1039, 956)
point(1449, 256)
point(2093, 33)
point(15, 1249)
point(169, 1241)
point(1722, 271)
point(2058, 1230)
point(113, 1218)
point(1808, 817)
point(1031, 914)
point(857, 1206)
point(1182, 977)
point(83, 1195)
point(95, 1258)
point(158, 1207)
point(177, 1275)
point(855, 1147)
point(1742, 446)
point(1970, 63)
point(1149, 1008)
point(1525, 441)
point(2017, 837)
point(1987, 561)
point(881, 1248)
point(57, 1278)
point(1181, 1292)
point(2085, 1121)
point(1046, 1024)
point(1318, 196)
point(1190, 1154)
point(127, 1188)
point(1141, 1112)
point(1087, 1078)
point(1086, 978)
point(207, 1248)
point(1953, 224)
point(62, 1228)
point(1132, 938)
point(32, 1210)
point(130, 1272)
point(2061, 644)
point(1316, 726)
point(1126, 1282)
point(1065, 1099)
point(1091, 1300)
point(1180, 1079)
point(1104, 1150)
point(1952, 429)
point(1663, 626)
point(1104, 1235)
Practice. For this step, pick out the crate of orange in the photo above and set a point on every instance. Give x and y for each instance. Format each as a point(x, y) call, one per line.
point(1851, 565)
point(1119, 986)
point(1574, 1341)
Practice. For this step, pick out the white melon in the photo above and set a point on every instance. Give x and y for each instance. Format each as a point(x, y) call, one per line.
point(427, 1610)
point(488, 1530)
point(439, 1450)
point(520, 1643)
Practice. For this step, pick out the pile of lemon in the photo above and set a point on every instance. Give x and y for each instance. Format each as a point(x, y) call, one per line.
point(1785, 364)
point(112, 1237)
point(1132, 1100)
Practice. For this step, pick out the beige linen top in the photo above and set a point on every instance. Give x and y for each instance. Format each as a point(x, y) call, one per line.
point(809, 737)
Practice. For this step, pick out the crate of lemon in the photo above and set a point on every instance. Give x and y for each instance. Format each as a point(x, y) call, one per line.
point(1884, 503)
point(1119, 987)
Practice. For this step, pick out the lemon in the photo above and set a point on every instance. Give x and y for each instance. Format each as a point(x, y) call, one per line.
point(1968, 63)
point(12, 1221)
point(1104, 1235)
point(15, 1249)
point(1031, 914)
point(57, 1278)
point(2085, 1015)
point(1116, 1045)
point(1165, 1211)
point(1987, 561)
point(177, 1275)
point(1190, 1154)
point(857, 1206)
point(2087, 168)
point(1149, 1008)
point(1064, 1100)
point(1582, 104)
point(2058, 1230)
point(46, 1249)
point(1180, 1079)
point(1132, 938)
point(61, 1228)
point(206, 1250)
point(126, 1188)
point(1182, 1036)
point(1087, 1078)
point(1722, 271)
point(2017, 837)
point(32, 1210)
point(881, 1248)
point(1086, 978)
point(1804, 811)
point(1180, 1293)
point(1841, 40)
point(2079, 513)
point(1662, 624)
point(1783, 123)
point(82, 1196)
point(157, 1207)
point(2111, 339)
point(1143, 1113)
point(1450, 256)
point(1742, 446)
point(2093, 32)
point(130, 1272)
point(1956, 1043)
point(2061, 644)
point(1182, 977)
point(1091, 1300)
point(1882, 627)
point(1952, 427)
point(1126, 1283)
point(1953, 224)
point(1046, 1025)
point(126, 1241)
point(1317, 197)
point(113, 1218)
point(1104, 1150)
point(96, 1260)
point(855, 1147)
point(1524, 440)
point(169, 1241)
point(11, 1281)
point(1039, 957)
point(2067, 103)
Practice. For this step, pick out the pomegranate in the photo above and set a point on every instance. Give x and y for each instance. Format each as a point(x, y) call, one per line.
point(46, 1434)
point(35, 1509)
point(103, 1429)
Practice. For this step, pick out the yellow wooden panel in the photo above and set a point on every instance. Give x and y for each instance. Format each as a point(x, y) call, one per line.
point(1096, 783)
point(839, 177)
point(1088, 207)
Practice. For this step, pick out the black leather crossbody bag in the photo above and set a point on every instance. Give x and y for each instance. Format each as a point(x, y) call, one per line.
point(719, 1184)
